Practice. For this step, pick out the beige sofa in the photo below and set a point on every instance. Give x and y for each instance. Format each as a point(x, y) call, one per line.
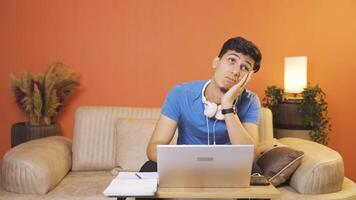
point(109, 139)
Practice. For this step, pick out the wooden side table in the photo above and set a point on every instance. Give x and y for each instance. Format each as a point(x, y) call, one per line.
point(289, 122)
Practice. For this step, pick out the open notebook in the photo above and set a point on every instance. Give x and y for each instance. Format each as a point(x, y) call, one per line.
point(133, 184)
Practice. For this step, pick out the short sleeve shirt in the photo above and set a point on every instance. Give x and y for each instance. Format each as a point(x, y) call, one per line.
point(184, 105)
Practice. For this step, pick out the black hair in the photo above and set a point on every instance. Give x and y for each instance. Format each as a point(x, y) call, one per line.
point(246, 47)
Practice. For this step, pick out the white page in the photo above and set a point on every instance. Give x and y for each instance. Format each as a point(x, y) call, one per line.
point(131, 187)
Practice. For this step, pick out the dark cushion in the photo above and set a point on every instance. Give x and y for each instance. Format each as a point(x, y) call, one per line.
point(278, 162)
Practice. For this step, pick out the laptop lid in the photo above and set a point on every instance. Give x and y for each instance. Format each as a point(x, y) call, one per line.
point(204, 165)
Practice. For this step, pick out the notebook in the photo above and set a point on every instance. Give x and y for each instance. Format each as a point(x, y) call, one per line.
point(133, 184)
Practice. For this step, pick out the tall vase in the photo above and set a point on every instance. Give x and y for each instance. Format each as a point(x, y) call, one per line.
point(21, 132)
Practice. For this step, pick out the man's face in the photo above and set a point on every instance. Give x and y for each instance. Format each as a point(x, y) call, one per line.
point(231, 68)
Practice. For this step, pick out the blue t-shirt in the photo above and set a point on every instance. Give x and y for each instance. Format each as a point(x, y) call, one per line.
point(184, 105)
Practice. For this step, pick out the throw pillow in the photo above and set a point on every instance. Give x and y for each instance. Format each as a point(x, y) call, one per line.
point(132, 137)
point(277, 161)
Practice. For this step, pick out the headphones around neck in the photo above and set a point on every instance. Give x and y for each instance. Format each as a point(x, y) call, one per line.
point(211, 109)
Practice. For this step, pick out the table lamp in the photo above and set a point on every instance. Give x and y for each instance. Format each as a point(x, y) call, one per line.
point(295, 77)
point(289, 122)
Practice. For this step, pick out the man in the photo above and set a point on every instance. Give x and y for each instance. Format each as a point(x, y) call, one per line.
point(219, 111)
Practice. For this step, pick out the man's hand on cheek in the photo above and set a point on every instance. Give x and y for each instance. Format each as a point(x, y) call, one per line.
point(234, 92)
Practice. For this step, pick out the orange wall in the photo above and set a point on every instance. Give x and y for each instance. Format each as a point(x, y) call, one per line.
point(130, 53)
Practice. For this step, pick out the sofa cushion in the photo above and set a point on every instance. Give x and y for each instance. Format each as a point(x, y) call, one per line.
point(132, 137)
point(87, 185)
point(37, 166)
point(276, 161)
point(94, 143)
point(265, 125)
point(321, 170)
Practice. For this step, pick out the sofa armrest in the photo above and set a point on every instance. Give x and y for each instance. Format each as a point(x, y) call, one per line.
point(37, 166)
point(321, 170)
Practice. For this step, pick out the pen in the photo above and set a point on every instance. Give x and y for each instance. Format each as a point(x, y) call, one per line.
point(138, 176)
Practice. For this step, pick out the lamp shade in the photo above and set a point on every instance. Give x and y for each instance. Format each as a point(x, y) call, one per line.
point(295, 74)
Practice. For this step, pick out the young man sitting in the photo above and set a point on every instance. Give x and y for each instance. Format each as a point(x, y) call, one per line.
point(217, 111)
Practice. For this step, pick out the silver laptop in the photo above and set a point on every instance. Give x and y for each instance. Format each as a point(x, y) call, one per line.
point(204, 165)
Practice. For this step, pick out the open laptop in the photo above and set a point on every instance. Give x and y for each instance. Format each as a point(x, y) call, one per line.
point(204, 165)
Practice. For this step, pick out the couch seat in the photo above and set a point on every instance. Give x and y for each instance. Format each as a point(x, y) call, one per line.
point(347, 193)
point(75, 186)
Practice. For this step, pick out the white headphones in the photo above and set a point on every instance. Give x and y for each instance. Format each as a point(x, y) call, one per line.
point(211, 109)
